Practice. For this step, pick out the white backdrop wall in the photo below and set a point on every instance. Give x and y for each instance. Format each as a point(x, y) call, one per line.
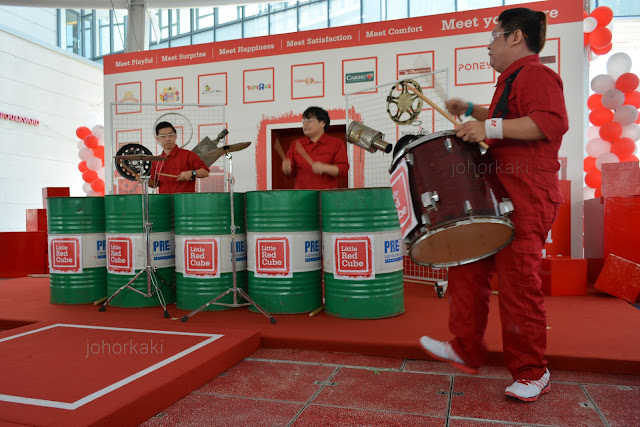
point(39, 23)
point(57, 89)
point(377, 53)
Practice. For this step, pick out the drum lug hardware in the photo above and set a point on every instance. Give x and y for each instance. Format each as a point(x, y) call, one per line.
point(467, 207)
point(425, 220)
point(505, 207)
point(448, 144)
point(409, 158)
point(429, 199)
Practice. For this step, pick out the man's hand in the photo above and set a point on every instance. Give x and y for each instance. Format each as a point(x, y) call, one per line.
point(286, 167)
point(318, 168)
point(472, 131)
point(457, 107)
point(185, 176)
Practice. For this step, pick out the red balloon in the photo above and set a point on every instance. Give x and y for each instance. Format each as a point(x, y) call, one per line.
point(628, 82)
point(593, 179)
point(585, 39)
point(600, 116)
point(598, 192)
point(99, 152)
point(603, 15)
point(82, 166)
point(82, 132)
point(584, 14)
point(91, 141)
point(600, 37)
point(589, 164)
point(89, 175)
point(632, 98)
point(610, 131)
point(623, 147)
point(594, 101)
point(631, 158)
point(602, 50)
point(97, 185)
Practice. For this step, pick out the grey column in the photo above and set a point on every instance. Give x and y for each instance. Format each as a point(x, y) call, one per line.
point(137, 26)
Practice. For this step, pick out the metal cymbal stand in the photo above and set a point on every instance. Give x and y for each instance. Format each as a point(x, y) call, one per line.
point(234, 290)
point(150, 270)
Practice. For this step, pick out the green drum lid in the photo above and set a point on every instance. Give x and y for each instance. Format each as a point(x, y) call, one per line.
point(283, 210)
point(75, 215)
point(208, 213)
point(358, 210)
point(123, 213)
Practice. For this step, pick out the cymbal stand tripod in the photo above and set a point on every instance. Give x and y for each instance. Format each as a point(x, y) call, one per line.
point(151, 271)
point(233, 290)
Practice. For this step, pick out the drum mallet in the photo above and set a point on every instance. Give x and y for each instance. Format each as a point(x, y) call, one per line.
point(441, 111)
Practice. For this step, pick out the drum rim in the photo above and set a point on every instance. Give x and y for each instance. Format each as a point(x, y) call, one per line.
point(401, 153)
point(476, 219)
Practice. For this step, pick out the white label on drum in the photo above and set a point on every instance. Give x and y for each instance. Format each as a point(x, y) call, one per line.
point(360, 256)
point(73, 253)
point(127, 253)
point(209, 256)
point(280, 255)
point(402, 197)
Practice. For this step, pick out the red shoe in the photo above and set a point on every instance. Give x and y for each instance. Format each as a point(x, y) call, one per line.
point(441, 350)
point(529, 390)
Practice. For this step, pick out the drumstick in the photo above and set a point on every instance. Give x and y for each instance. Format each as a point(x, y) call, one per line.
point(316, 311)
point(304, 154)
point(441, 111)
point(166, 174)
point(279, 150)
point(128, 169)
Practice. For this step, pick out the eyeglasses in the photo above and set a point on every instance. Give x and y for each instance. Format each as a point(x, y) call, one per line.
point(166, 135)
point(310, 119)
point(494, 36)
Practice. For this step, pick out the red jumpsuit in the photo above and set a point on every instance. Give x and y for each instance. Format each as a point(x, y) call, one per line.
point(528, 171)
point(327, 149)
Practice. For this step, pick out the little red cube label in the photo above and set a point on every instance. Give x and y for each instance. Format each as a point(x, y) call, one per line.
point(201, 257)
point(120, 255)
point(273, 256)
point(353, 257)
point(65, 255)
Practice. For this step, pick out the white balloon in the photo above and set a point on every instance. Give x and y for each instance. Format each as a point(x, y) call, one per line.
point(602, 83)
point(90, 119)
point(86, 187)
point(85, 153)
point(593, 132)
point(631, 131)
point(597, 147)
point(589, 24)
point(588, 193)
point(81, 145)
point(626, 115)
point(612, 99)
point(93, 193)
point(606, 158)
point(618, 64)
point(98, 130)
point(101, 172)
point(94, 163)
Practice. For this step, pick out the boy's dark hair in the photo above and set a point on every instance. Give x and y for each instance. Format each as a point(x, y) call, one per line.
point(319, 114)
point(532, 24)
point(163, 125)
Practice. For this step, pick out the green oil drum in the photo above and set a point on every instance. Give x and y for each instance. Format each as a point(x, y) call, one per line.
point(362, 254)
point(77, 252)
point(126, 248)
point(204, 266)
point(284, 261)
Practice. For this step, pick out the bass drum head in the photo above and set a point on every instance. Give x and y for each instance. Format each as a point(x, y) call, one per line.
point(461, 242)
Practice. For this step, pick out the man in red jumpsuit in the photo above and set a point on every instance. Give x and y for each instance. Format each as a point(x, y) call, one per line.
point(523, 128)
point(317, 159)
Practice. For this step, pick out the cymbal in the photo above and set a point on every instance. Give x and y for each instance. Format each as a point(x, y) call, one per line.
point(213, 155)
point(143, 157)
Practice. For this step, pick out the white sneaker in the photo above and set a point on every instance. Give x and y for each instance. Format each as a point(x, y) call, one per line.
point(529, 390)
point(441, 350)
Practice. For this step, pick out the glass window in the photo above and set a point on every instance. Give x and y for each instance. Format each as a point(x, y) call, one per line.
point(181, 21)
point(343, 12)
point(283, 22)
point(72, 30)
point(622, 7)
point(203, 37)
point(423, 8)
point(372, 10)
point(477, 4)
point(104, 33)
point(87, 36)
point(229, 32)
point(256, 27)
point(282, 5)
point(255, 9)
point(162, 45)
point(397, 9)
point(204, 18)
point(227, 14)
point(180, 41)
point(163, 23)
point(313, 16)
point(119, 30)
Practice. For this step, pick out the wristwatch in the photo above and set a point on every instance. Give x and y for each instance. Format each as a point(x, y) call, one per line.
point(194, 174)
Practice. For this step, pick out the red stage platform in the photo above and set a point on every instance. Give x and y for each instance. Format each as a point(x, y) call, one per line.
point(51, 357)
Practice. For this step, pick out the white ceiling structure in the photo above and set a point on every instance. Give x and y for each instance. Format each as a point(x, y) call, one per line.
point(124, 4)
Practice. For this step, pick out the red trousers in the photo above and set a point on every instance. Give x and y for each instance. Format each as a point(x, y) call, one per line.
point(521, 301)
